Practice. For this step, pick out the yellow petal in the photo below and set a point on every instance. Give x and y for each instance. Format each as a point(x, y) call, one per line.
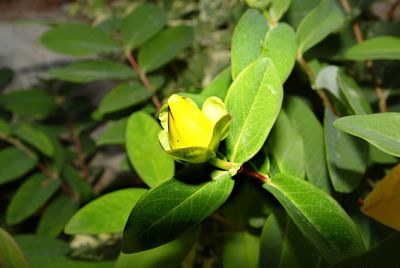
point(187, 125)
point(383, 203)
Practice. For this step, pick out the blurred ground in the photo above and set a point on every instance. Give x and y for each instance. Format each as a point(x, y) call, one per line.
point(19, 48)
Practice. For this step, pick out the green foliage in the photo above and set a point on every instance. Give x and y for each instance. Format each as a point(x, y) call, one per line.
point(313, 125)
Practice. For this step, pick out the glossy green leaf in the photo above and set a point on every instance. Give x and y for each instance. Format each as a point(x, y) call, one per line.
point(219, 86)
point(277, 9)
point(298, 9)
point(30, 196)
point(286, 147)
point(65, 262)
point(346, 157)
point(386, 254)
point(77, 183)
point(145, 153)
point(377, 156)
point(124, 96)
point(34, 245)
point(172, 208)
point(56, 216)
point(5, 127)
point(114, 133)
point(164, 47)
point(381, 130)
point(33, 103)
point(10, 254)
point(141, 24)
point(34, 137)
point(307, 125)
point(240, 250)
point(324, 19)
point(254, 100)
point(318, 216)
point(78, 40)
point(280, 46)
point(247, 40)
point(14, 163)
point(327, 79)
point(377, 48)
point(89, 71)
point(353, 95)
point(283, 245)
point(169, 255)
point(106, 214)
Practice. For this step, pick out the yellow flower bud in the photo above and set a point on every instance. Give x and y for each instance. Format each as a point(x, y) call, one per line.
point(187, 125)
point(191, 134)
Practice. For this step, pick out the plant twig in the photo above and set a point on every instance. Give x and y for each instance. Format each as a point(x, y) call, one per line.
point(311, 76)
point(78, 147)
point(263, 178)
point(392, 10)
point(370, 64)
point(41, 166)
point(144, 80)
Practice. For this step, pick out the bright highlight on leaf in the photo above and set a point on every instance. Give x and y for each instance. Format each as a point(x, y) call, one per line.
point(383, 203)
point(191, 134)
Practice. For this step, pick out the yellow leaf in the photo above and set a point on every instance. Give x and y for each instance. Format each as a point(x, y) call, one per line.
point(383, 203)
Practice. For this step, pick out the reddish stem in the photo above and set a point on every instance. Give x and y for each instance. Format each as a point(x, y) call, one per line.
point(255, 174)
point(144, 80)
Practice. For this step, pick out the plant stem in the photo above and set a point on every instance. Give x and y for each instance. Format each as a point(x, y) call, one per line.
point(263, 178)
point(311, 78)
point(78, 147)
point(43, 168)
point(144, 80)
point(370, 64)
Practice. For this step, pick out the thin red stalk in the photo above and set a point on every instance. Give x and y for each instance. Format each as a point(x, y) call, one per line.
point(79, 152)
point(370, 64)
point(255, 174)
point(144, 80)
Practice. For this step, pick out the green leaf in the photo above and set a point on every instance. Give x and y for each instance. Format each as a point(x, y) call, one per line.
point(172, 208)
point(52, 222)
point(34, 245)
point(33, 103)
point(307, 125)
point(169, 255)
point(240, 250)
point(280, 46)
point(164, 47)
point(65, 262)
point(353, 95)
point(254, 100)
point(30, 196)
point(318, 24)
point(14, 163)
point(77, 183)
point(381, 130)
point(286, 147)
point(346, 157)
point(220, 85)
point(247, 40)
point(327, 79)
point(89, 71)
point(10, 254)
point(142, 24)
point(386, 254)
point(106, 214)
point(377, 48)
point(280, 244)
point(5, 127)
point(124, 96)
point(114, 133)
point(35, 137)
point(318, 216)
point(145, 153)
point(277, 9)
point(78, 40)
